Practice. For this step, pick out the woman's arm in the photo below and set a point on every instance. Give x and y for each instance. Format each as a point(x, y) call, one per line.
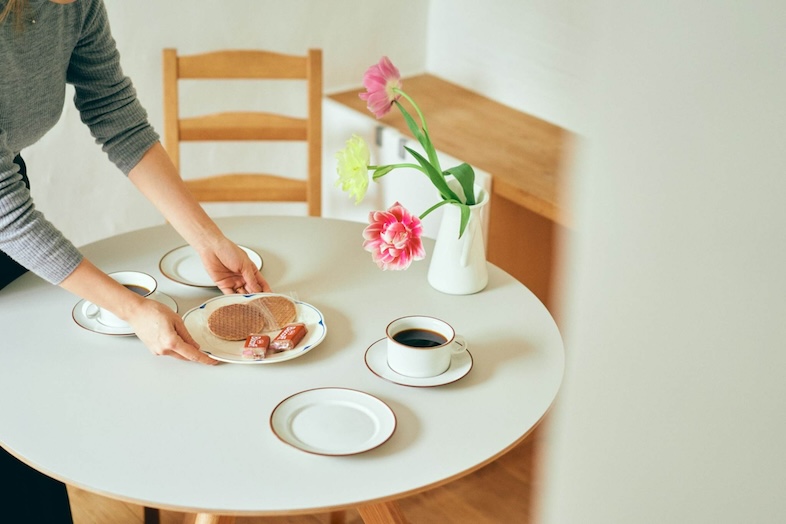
point(157, 326)
point(228, 265)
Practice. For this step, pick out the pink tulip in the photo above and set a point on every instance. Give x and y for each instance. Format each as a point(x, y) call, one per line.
point(379, 81)
point(393, 238)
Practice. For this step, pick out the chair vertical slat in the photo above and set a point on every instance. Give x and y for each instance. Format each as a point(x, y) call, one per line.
point(315, 132)
point(171, 108)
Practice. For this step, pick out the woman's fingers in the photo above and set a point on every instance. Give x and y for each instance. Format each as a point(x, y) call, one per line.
point(164, 333)
point(187, 347)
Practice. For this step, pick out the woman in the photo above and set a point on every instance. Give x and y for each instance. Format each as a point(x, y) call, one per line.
point(45, 44)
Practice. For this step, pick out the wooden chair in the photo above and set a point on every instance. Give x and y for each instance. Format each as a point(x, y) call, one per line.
point(248, 125)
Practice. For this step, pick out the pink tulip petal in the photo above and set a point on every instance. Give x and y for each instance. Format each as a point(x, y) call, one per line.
point(379, 81)
point(394, 238)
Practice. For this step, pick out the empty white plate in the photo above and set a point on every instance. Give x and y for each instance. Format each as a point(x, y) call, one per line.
point(333, 421)
point(183, 265)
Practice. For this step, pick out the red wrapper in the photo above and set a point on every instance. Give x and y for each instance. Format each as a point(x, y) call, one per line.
point(289, 337)
point(256, 346)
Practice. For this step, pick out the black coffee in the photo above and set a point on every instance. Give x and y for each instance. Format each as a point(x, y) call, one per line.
point(139, 290)
point(419, 338)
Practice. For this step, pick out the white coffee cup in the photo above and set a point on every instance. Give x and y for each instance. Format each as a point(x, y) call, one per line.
point(421, 346)
point(140, 283)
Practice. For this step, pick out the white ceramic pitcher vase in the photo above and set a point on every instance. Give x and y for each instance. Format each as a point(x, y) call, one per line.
point(458, 265)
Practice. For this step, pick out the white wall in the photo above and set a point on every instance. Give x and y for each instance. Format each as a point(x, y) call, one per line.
point(527, 54)
point(673, 406)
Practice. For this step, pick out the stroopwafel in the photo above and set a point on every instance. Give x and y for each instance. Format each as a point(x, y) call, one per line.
point(279, 311)
point(236, 321)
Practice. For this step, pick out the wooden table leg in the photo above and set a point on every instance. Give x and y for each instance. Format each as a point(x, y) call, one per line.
point(209, 518)
point(152, 516)
point(382, 513)
point(338, 517)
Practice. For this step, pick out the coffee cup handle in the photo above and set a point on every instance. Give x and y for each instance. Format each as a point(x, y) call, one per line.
point(459, 344)
point(91, 310)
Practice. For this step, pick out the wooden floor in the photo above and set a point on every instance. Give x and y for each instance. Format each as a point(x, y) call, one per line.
point(500, 492)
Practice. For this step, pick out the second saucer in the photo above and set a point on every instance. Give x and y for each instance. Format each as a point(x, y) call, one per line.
point(377, 361)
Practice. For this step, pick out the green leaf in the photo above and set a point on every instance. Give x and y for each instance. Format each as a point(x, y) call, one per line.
point(382, 171)
point(464, 218)
point(436, 177)
point(466, 177)
point(412, 125)
point(422, 137)
point(430, 151)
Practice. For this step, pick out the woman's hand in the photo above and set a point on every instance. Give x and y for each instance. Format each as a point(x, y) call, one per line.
point(164, 333)
point(156, 325)
point(232, 270)
point(228, 265)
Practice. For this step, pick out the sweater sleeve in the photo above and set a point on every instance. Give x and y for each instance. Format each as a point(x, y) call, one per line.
point(25, 235)
point(105, 97)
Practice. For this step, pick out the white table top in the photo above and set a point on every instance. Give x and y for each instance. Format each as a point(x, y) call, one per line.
point(102, 413)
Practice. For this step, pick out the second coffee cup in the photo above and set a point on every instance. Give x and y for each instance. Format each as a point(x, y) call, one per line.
point(421, 346)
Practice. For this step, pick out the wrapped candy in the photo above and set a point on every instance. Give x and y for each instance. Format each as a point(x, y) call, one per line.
point(289, 337)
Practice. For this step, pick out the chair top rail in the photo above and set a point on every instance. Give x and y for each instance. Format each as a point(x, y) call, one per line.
point(247, 64)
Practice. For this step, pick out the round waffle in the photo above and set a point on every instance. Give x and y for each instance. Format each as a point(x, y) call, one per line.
point(236, 321)
point(279, 311)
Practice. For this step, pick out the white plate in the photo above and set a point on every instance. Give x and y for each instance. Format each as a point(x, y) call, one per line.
point(333, 421)
point(183, 265)
point(232, 350)
point(79, 314)
point(377, 362)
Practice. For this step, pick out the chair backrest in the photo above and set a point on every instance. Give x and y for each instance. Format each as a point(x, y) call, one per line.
point(249, 125)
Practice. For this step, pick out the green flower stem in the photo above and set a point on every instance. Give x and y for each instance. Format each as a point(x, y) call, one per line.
point(436, 206)
point(417, 109)
point(413, 166)
point(422, 135)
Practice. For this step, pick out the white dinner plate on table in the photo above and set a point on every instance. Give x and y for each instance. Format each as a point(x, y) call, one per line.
point(79, 314)
point(183, 265)
point(232, 350)
point(377, 361)
point(333, 421)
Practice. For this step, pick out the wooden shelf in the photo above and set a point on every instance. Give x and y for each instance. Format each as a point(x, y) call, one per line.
point(522, 153)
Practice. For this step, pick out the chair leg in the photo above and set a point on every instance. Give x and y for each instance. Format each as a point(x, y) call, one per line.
point(152, 516)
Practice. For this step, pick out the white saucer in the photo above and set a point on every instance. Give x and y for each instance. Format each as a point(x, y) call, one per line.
point(93, 324)
point(333, 421)
point(377, 362)
point(184, 266)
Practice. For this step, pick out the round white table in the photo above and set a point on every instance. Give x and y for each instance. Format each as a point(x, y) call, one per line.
point(102, 413)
